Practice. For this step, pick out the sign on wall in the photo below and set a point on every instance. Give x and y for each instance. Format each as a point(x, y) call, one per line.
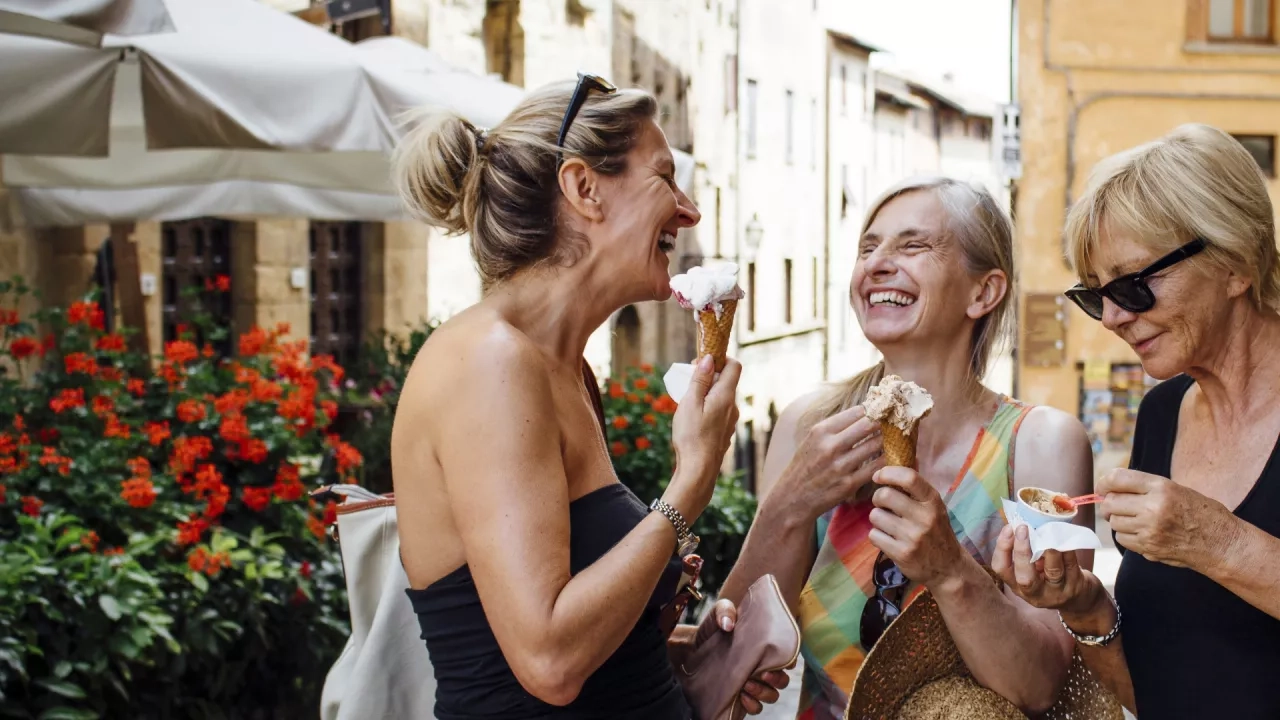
point(1008, 145)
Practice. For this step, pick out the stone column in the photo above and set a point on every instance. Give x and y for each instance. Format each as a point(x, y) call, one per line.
point(263, 254)
point(396, 276)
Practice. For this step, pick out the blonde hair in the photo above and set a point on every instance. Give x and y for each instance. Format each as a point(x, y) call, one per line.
point(502, 185)
point(1195, 182)
point(984, 233)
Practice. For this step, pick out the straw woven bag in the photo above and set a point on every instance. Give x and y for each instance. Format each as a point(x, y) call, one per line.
point(915, 672)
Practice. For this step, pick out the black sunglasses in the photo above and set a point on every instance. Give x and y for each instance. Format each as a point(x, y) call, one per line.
point(586, 83)
point(1131, 291)
point(881, 609)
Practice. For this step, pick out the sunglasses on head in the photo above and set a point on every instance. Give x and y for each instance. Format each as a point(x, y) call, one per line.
point(886, 605)
point(586, 83)
point(1131, 292)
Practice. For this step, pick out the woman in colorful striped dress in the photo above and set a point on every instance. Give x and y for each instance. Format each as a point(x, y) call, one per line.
point(932, 290)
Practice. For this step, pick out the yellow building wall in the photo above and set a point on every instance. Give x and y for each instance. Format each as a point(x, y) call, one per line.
point(1096, 77)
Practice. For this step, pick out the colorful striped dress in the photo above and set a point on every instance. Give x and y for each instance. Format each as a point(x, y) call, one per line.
point(840, 582)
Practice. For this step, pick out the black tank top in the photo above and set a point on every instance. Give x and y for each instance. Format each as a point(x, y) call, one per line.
point(1195, 649)
point(474, 680)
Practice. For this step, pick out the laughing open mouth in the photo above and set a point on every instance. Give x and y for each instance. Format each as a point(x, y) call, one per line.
point(666, 242)
point(891, 298)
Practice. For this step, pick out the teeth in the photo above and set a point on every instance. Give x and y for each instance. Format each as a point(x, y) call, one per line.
point(891, 297)
point(666, 241)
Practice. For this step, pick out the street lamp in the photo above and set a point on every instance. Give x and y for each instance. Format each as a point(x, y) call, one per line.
point(754, 233)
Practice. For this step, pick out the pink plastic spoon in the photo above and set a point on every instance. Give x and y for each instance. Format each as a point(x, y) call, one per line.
point(1068, 504)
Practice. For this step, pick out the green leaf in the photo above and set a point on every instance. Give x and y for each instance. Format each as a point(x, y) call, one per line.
point(62, 669)
point(65, 688)
point(67, 539)
point(201, 583)
point(66, 713)
point(251, 572)
point(110, 606)
point(155, 619)
point(273, 570)
point(223, 543)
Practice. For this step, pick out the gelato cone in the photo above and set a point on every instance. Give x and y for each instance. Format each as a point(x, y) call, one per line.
point(898, 406)
point(713, 333)
point(712, 293)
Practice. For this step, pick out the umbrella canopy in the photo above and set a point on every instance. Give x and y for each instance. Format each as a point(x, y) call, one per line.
point(83, 21)
point(139, 181)
point(233, 74)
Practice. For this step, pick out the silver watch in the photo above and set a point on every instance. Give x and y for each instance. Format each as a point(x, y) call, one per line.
point(1095, 640)
point(686, 541)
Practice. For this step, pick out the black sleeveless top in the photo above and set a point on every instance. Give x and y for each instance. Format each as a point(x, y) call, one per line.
point(474, 680)
point(1195, 649)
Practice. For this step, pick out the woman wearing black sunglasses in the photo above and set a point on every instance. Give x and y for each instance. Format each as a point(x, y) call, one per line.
point(848, 540)
point(538, 579)
point(1174, 243)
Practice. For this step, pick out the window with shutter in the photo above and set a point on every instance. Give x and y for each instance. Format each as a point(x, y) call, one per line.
point(194, 254)
point(337, 297)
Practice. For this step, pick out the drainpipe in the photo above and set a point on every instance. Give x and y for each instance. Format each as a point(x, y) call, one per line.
point(828, 55)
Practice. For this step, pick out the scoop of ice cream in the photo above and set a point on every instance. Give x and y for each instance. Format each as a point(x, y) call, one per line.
point(705, 288)
point(899, 402)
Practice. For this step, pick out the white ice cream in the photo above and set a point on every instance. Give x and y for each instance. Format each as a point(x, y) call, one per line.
point(705, 288)
point(899, 402)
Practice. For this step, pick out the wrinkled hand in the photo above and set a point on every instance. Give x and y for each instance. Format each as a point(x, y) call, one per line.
point(911, 526)
point(1164, 521)
point(1055, 581)
point(836, 457)
point(759, 691)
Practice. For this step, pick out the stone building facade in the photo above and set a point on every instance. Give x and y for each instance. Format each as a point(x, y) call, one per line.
point(1095, 77)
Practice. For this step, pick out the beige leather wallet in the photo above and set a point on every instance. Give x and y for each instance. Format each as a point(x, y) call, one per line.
point(765, 638)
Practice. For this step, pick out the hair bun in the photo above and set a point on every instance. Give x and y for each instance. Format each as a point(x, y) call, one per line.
point(431, 171)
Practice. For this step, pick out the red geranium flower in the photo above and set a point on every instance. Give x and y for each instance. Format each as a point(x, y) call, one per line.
point(110, 342)
point(191, 411)
point(31, 505)
point(23, 347)
point(87, 313)
point(256, 498)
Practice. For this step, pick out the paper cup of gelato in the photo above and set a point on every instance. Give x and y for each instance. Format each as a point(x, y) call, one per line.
point(1035, 505)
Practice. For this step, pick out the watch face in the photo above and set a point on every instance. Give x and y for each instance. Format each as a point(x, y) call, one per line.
point(688, 546)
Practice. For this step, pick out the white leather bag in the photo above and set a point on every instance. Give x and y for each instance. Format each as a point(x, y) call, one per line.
point(384, 673)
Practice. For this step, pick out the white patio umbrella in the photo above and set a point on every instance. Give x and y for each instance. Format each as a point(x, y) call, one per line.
point(233, 73)
point(138, 183)
point(83, 21)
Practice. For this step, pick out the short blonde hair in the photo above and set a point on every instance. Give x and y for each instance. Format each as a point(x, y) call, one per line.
point(984, 233)
point(502, 185)
point(1195, 182)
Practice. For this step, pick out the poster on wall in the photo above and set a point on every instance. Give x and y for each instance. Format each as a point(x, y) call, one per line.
point(1110, 396)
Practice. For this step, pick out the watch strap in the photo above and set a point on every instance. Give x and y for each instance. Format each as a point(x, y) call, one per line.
point(1095, 640)
point(683, 534)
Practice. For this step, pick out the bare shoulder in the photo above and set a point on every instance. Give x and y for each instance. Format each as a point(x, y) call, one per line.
point(1045, 425)
point(475, 371)
point(1052, 451)
point(476, 354)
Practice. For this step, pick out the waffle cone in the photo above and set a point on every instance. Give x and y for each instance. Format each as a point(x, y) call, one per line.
point(899, 446)
point(713, 333)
